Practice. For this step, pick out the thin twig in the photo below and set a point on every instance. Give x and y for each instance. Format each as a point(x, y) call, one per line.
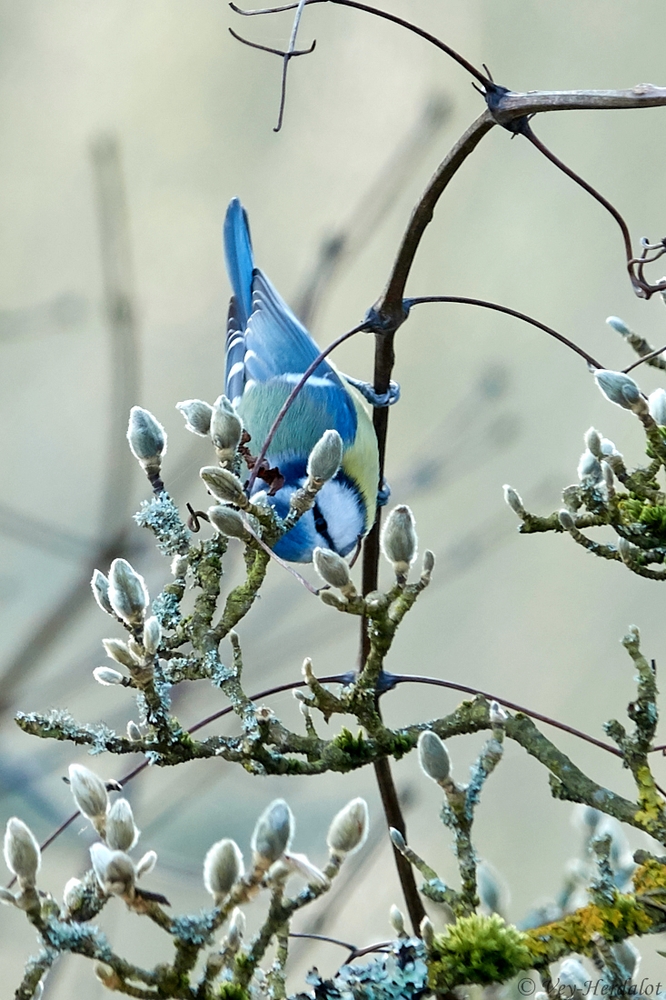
point(646, 357)
point(463, 300)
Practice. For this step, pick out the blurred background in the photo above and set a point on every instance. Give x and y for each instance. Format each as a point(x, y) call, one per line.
point(126, 128)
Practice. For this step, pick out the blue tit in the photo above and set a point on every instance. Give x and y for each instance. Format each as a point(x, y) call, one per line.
point(267, 352)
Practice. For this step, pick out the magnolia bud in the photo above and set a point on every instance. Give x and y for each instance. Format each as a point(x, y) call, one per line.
point(434, 757)
point(100, 589)
point(223, 866)
point(618, 388)
point(152, 634)
point(399, 541)
point(349, 828)
point(566, 519)
point(333, 570)
point(589, 468)
point(179, 566)
point(397, 920)
point(236, 929)
point(272, 833)
point(147, 439)
point(89, 791)
point(133, 731)
point(657, 405)
point(127, 592)
point(428, 564)
point(608, 448)
point(228, 521)
point(119, 651)
point(512, 497)
point(146, 863)
point(397, 839)
point(427, 932)
point(114, 870)
point(197, 416)
point(73, 894)
point(325, 457)
point(225, 429)
point(224, 486)
point(497, 715)
point(22, 854)
point(107, 676)
point(607, 474)
point(121, 831)
point(593, 442)
point(618, 324)
point(628, 551)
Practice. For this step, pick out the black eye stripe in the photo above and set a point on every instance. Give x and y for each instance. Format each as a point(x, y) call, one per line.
point(322, 526)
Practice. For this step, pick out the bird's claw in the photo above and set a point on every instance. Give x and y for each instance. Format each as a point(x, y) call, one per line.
point(377, 399)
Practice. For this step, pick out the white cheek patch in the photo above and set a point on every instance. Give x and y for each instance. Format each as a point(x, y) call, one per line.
point(340, 506)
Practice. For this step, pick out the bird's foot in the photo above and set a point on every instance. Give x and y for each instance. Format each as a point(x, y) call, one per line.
point(378, 399)
point(383, 494)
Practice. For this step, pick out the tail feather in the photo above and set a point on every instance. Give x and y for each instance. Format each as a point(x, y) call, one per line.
point(240, 259)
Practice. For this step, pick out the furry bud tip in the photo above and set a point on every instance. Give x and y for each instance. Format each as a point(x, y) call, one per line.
point(147, 439)
point(21, 850)
point(434, 757)
point(618, 388)
point(512, 497)
point(272, 833)
point(197, 416)
point(228, 522)
point(566, 519)
point(114, 870)
point(89, 792)
point(399, 541)
point(349, 828)
point(497, 715)
point(106, 676)
point(223, 866)
point(121, 831)
point(333, 569)
point(100, 589)
point(223, 485)
point(427, 932)
point(619, 325)
point(226, 429)
point(325, 457)
point(657, 406)
point(128, 593)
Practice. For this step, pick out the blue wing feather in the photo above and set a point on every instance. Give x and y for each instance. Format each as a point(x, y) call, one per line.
point(240, 259)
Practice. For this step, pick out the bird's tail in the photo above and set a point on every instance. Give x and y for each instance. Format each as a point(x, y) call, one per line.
point(240, 260)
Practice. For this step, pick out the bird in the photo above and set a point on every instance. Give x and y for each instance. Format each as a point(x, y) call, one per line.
point(267, 351)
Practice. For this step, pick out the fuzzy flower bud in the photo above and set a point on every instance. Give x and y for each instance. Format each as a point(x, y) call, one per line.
point(608, 477)
point(628, 551)
point(73, 894)
point(593, 442)
point(100, 589)
point(114, 870)
point(589, 468)
point(179, 566)
point(325, 457)
point(618, 388)
point(399, 541)
point(397, 839)
point(228, 521)
point(133, 731)
point(349, 829)
point(147, 439)
point(106, 676)
point(427, 932)
point(434, 757)
point(619, 325)
point(225, 429)
point(121, 831)
point(22, 854)
point(118, 650)
point(89, 792)
point(272, 833)
point(657, 406)
point(512, 497)
point(334, 570)
point(146, 864)
point(152, 634)
point(397, 920)
point(497, 715)
point(428, 565)
point(127, 592)
point(224, 486)
point(223, 866)
point(197, 415)
point(566, 519)
point(236, 929)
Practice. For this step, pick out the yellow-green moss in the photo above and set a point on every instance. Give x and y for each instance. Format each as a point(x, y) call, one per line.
point(651, 802)
point(574, 933)
point(650, 876)
point(477, 949)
